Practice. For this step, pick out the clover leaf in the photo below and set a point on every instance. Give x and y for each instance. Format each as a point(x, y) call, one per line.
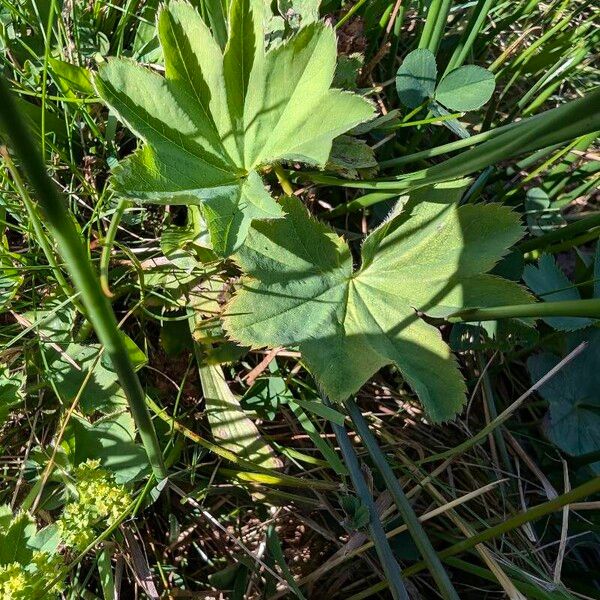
point(466, 88)
point(429, 258)
point(216, 117)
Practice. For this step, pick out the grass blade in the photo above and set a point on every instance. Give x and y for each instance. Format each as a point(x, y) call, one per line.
point(406, 511)
point(384, 551)
point(80, 268)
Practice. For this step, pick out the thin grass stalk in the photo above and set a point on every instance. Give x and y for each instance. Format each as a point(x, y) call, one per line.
point(439, 26)
point(476, 20)
point(386, 556)
point(557, 125)
point(74, 254)
point(450, 146)
point(404, 507)
point(109, 241)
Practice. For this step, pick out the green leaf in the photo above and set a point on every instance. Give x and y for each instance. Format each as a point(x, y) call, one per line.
point(415, 79)
point(358, 513)
point(299, 13)
point(573, 395)
point(349, 155)
point(72, 78)
point(267, 394)
point(549, 283)
point(15, 539)
point(230, 426)
point(11, 391)
point(112, 441)
point(136, 355)
point(301, 290)
point(100, 391)
point(216, 117)
point(541, 217)
point(466, 88)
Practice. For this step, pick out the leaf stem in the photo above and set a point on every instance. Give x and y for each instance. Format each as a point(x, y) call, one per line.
point(388, 561)
point(284, 182)
point(98, 308)
point(404, 507)
point(109, 240)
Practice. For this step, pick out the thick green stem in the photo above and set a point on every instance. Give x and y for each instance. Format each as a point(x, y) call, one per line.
point(567, 308)
point(80, 268)
point(380, 541)
point(404, 507)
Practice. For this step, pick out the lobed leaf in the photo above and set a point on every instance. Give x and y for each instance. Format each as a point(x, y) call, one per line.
point(217, 116)
point(429, 258)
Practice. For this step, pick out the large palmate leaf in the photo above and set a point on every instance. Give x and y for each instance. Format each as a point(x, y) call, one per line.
point(430, 258)
point(218, 116)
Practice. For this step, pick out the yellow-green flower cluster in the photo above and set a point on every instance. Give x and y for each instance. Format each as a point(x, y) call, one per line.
point(100, 503)
point(13, 582)
point(25, 582)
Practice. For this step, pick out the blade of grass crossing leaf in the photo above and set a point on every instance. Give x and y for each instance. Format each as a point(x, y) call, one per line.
point(558, 125)
point(404, 507)
point(86, 281)
point(390, 567)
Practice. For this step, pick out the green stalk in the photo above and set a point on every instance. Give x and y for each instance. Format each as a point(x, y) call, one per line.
point(439, 26)
point(558, 125)
point(567, 308)
point(430, 21)
point(567, 232)
point(355, 8)
point(80, 268)
point(583, 491)
point(451, 146)
point(476, 21)
point(404, 507)
point(109, 240)
point(388, 562)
